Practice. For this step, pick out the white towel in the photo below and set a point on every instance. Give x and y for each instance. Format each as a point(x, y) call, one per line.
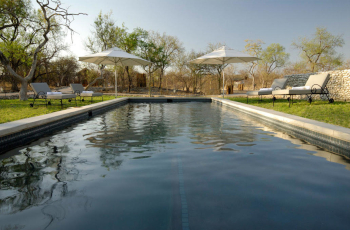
point(263, 89)
point(87, 92)
point(301, 87)
point(53, 93)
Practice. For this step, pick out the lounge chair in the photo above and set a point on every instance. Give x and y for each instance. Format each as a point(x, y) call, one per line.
point(276, 84)
point(43, 91)
point(78, 89)
point(316, 84)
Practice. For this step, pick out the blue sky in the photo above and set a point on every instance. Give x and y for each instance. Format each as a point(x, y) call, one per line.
point(199, 22)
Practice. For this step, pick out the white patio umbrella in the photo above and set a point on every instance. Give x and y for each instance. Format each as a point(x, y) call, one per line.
point(224, 55)
point(114, 56)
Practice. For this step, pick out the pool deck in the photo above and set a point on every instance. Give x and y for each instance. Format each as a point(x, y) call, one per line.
point(13, 133)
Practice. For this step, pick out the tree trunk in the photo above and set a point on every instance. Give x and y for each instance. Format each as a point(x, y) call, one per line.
point(160, 78)
point(129, 78)
point(47, 74)
point(149, 83)
point(219, 84)
point(253, 83)
point(195, 84)
point(123, 82)
point(93, 82)
point(23, 92)
point(14, 86)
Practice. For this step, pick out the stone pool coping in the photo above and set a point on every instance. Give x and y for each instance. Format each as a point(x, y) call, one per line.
point(18, 133)
point(26, 130)
point(324, 134)
point(32, 122)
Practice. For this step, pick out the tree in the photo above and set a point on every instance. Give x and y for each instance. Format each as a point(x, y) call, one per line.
point(254, 48)
point(196, 71)
point(105, 35)
point(346, 65)
point(272, 58)
point(30, 30)
point(149, 50)
point(216, 69)
point(319, 52)
point(65, 69)
point(12, 17)
point(295, 68)
point(171, 48)
point(129, 42)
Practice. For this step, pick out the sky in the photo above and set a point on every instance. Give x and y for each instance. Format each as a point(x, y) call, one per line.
point(199, 22)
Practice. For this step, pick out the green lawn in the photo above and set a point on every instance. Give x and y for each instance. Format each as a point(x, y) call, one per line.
point(14, 109)
point(337, 113)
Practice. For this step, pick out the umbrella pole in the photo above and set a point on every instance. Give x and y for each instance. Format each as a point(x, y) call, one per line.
point(223, 82)
point(116, 77)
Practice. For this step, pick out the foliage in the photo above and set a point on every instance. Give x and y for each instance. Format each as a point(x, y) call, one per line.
point(105, 34)
point(346, 65)
point(26, 31)
point(171, 47)
point(319, 52)
point(129, 42)
point(150, 51)
point(65, 69)
point(296, 68)
point(216, 70)
point(272, 58)
point(253, 48)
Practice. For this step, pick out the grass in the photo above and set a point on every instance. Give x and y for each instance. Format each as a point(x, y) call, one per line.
point(14, 109)
point(336, 113)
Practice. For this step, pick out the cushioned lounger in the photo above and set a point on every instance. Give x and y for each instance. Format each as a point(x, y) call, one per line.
point(276, 84)
point(316, 84)
point(79, 90)
point(41, 91)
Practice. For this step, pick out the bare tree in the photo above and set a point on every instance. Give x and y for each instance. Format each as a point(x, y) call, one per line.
point(171, 48)
point(52, 16)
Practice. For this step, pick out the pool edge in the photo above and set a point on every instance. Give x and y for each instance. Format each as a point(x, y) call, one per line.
point(315, 132)
point(21, 132)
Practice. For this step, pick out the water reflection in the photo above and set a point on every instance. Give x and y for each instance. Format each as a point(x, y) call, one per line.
point(55, 177)
point(298, 143)
point(39, 176)
point(231, 134)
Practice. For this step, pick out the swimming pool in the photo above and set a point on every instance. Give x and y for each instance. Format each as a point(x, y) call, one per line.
point(173, 166)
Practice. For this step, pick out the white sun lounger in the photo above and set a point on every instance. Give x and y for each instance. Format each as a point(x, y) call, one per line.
point(276, 84)
point(78, 89)
point(43, 91)
point(316, 84)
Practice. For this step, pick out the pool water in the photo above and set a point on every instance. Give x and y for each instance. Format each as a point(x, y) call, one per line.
point(173, 166)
